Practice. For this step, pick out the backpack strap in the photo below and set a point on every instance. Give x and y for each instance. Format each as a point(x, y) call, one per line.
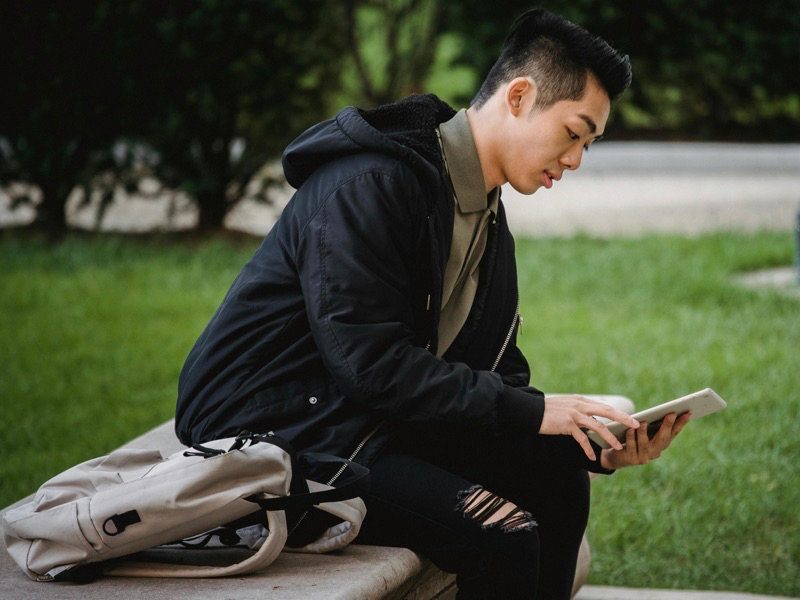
point(356, 486)
point(351, 512)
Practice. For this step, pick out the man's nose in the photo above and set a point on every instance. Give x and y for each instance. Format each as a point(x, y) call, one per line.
point(571, 160)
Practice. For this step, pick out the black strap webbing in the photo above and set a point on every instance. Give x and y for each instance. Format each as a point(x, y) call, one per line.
point(356, 486)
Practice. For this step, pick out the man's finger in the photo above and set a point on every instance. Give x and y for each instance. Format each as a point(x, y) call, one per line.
point(604, 410)
point(680, 424)
point(602, 431)
point(630, 451)
point(642, 443)
point(630, 440)
point(583, 440)
point(664, 434)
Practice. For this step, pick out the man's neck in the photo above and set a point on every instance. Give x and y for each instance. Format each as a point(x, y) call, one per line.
point(484, 133)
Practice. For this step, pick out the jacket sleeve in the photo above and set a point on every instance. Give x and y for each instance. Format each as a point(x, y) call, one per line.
point(513, 366)
point(354, 260)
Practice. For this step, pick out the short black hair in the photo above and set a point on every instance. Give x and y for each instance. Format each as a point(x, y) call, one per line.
point(559, 56)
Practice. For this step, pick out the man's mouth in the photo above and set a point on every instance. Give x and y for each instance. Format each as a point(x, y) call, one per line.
point(548, 179)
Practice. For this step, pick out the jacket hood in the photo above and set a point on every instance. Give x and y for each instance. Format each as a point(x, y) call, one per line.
point(405, 129)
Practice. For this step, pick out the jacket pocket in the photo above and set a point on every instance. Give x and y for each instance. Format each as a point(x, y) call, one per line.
point(294, 402)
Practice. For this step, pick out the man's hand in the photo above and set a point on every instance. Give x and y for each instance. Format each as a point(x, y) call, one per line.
point(567, 415)
point(639, 449)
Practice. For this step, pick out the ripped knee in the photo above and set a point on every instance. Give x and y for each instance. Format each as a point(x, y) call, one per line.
point(491, 510)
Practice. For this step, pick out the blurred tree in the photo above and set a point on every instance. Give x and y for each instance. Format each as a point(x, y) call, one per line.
point(223, 85)
point(203, 92)
point(702, 68)
point(60, 98)
point(391, 48)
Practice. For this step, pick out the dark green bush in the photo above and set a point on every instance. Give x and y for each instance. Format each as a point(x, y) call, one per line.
point(702, 69)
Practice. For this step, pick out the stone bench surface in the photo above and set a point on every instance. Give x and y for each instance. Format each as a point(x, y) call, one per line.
point(353, 573)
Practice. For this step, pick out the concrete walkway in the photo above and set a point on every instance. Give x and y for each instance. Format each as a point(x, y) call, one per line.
point(632, 188)
point(592, 592)
point(622, 188)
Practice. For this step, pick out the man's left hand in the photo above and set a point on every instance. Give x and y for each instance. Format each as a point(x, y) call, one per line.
point(640, 449)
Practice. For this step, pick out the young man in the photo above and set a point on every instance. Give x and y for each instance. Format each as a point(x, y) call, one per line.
point(378, 321)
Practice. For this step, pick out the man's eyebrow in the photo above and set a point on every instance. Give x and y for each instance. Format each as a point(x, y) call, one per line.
point(592, 125)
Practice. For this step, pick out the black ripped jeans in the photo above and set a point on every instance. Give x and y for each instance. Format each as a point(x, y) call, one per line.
point(423, 493)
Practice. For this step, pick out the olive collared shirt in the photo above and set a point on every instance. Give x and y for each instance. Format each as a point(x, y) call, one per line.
point(473, 211)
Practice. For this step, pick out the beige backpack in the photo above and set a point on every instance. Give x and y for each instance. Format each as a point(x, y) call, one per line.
point(134, 500)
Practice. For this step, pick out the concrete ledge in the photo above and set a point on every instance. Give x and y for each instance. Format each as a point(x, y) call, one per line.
point(356, 573)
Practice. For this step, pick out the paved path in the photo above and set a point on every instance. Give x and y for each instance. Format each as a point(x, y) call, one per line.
point(630, 188)
point(622, 188)
point(592, 592)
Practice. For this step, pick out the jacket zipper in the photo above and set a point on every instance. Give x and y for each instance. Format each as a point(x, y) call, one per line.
point(508, 337)
point(379, 425)
point(342, 468)
point(356, 451)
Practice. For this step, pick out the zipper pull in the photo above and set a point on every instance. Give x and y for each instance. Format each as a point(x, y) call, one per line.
point(428, 305)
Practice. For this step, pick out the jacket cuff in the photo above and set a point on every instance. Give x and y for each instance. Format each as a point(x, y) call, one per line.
point(577, 456)
point(521, 409)
point(593, 466)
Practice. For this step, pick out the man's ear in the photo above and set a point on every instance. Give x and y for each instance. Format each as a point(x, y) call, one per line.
point(520, 95)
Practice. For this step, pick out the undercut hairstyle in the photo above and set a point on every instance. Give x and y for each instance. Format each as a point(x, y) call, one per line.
point(559, 56)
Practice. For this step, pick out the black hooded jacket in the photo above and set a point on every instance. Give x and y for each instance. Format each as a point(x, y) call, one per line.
point(330, 328)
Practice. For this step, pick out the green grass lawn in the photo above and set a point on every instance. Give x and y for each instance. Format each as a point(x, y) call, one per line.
point(93, 333)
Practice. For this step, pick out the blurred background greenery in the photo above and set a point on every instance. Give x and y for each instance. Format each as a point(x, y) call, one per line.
point(101, 95)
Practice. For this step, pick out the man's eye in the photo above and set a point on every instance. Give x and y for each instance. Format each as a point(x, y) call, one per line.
point(572, 135)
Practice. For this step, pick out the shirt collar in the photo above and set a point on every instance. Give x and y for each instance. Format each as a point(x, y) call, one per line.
point(464, 166)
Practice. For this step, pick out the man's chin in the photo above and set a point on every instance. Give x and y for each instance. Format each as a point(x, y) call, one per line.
point(527, 190)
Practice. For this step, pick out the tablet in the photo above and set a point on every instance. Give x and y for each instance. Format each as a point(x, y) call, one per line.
point(702, 403)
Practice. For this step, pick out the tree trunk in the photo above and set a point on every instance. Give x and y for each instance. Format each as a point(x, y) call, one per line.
point(51, 214)
point(212, 206)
